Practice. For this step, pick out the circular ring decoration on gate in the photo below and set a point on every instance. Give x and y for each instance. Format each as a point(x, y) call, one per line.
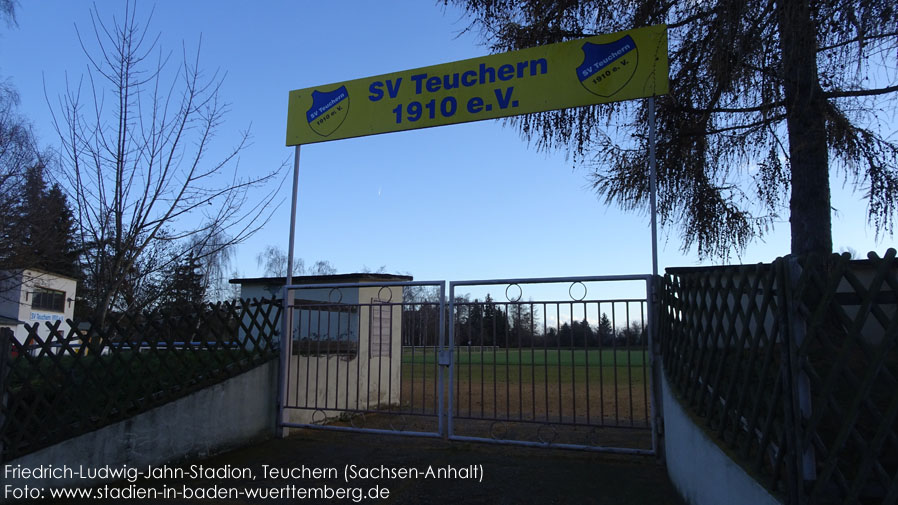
point(541, 438)
point(514, 299)
point(570, 291)
point(592, 438)
point(498, 434)
point(318, 420)
point(352, 421)
point(331, 293)
point(400, 426)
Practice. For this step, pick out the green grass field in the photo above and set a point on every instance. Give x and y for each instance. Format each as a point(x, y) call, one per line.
point(636, 357)
point(576, 385)
point(533, 365)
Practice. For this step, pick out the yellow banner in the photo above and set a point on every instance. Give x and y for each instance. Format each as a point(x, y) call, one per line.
point(599, 69)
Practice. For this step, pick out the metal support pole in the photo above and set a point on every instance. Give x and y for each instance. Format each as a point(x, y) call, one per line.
point(290, 248)
point(287, 312)
point(654, 295)
point(652, 186)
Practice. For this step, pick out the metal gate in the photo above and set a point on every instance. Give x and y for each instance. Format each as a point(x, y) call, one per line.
point(562, 362)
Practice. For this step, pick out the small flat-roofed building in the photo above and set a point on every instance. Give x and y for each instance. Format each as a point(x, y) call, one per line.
point(346, 347)
point(270, 287)
point(31, 296)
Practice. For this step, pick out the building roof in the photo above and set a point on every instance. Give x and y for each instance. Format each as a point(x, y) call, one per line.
point(325, 279)
point(20, 271)
point(10, 321)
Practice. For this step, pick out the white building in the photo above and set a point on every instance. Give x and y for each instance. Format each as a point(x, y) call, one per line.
point(341, 337)
point(34, 296)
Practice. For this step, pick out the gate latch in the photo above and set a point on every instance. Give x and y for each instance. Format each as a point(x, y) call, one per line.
point(444, 358)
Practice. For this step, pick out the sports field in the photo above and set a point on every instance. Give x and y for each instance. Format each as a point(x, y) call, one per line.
point(620, 357)
point(567, 386)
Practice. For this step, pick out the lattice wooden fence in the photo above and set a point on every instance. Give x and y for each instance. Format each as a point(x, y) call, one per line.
point(794, 366)
point(57, 387)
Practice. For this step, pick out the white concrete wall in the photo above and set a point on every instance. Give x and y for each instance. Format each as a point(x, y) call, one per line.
point(325, 385)
point(702, 473)
point(224, 416)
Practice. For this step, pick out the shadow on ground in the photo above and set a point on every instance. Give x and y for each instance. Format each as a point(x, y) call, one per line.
point(510, 474)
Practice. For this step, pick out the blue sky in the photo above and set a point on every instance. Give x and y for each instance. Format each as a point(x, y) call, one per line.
point(469, 201)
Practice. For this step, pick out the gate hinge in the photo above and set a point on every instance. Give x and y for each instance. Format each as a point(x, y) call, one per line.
point(444, 358)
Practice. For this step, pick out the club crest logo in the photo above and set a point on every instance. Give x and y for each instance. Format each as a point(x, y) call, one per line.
point(607, 68)
point(328, 110)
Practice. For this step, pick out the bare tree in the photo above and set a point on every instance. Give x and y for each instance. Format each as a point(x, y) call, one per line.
point(322, 267)
point(8, 11)
point(233, 290)
point(34, 219)
point(273, 262)
point(17, 149)
point(137, 139)
point(213, 252)
point(28, 211)
point(17, 154)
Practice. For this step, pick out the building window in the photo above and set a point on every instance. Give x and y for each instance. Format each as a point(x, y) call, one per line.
point(325, 328)
point(48, 299)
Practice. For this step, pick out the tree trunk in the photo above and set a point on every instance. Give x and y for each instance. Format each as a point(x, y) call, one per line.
point(811, 212)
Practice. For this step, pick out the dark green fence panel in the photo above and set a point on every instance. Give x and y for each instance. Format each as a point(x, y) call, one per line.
point(794, 366)
point(65, 384)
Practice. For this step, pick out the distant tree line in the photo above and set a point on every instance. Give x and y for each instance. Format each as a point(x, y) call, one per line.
point(515, 325)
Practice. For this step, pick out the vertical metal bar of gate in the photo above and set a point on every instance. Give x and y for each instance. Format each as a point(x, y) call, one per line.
point(647, 279)
point(652, 296)
point(440, 366)
point(449, 360)
point(284, 369)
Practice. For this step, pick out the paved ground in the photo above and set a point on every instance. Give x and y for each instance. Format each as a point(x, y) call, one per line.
point(481, 474)
point(510, 475)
